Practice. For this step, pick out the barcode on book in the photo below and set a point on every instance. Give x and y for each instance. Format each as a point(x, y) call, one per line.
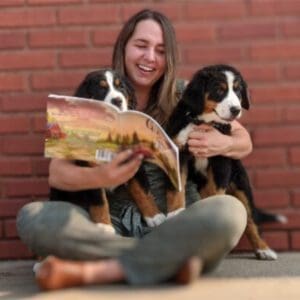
point(104, 155)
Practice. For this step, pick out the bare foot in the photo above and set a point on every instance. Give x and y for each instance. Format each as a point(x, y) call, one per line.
point(55, 273)
point(190, 271)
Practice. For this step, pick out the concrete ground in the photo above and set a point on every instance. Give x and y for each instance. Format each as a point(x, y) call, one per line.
point(239, 277)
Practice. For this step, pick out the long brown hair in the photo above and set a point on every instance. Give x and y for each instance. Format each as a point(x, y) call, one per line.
point(163, 97)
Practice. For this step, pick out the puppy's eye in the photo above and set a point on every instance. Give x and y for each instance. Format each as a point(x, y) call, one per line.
point(237, 90)
point(117, 82)
point(103, 83)
point(220, 92)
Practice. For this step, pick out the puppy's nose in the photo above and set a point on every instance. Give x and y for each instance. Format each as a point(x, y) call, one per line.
point(117, 102)
point(234, 110)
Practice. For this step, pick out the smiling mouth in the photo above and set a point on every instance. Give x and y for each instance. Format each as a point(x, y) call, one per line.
point(145, 68)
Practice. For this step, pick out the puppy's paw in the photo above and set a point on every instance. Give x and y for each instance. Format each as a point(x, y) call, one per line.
point(155, 220)
point(173, 213)
point(106, 228)
point(266, 254)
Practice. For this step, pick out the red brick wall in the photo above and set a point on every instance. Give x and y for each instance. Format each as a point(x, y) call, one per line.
point(48, 45)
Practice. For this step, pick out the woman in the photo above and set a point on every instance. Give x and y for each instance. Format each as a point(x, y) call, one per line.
point(196, 239)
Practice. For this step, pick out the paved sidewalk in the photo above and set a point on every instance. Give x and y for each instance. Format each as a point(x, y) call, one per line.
point(239, 277)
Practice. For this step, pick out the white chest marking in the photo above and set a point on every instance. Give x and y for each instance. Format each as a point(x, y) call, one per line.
point(182, 136)
point(201, 165)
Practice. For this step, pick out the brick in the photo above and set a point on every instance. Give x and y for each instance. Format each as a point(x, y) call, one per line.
point(215, 10)
point(291, 28)
point(14, 124)
point(295, 240)
point(10, 230)
point(40, 166)
point(264, 72)
point(194, 32)
point(49, 2)
point(39, 123)
point(15, 166)
point(274, 7)
point(105, 36)
point(274, 51)
point(12, 2)
point(53, 39)
point(12, 249)
point(27, 18)
point(292, 71)
point(56, 80)
point(10, 207)
point(294, 155)
point(25, 187)
point(268, 157)
point(277, 240)
point(23, 102)
point(104, 14)
point(292, 114)
point(277, 135)
point(12, 82)
point(277, 178)
point(96, 58)
point(271, 198)
point(213, 54)
point(276, 94)
point(23, 144)
point(243, 31)
point(296, 198)
point(261, 115)
point(13, 40)
point(30, 60)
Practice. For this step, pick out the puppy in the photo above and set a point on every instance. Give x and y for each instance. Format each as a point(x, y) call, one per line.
point(215, 96)
point(108, 86)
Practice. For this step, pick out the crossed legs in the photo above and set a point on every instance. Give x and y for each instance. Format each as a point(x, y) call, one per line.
point(196, 239)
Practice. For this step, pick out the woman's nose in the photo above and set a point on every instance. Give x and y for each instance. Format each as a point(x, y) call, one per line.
point(150, 54)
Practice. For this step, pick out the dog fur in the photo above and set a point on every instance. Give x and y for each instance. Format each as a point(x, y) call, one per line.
point(107, 85)
point(216, 96)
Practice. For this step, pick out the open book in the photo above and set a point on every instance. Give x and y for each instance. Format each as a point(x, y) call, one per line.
point(91, 130)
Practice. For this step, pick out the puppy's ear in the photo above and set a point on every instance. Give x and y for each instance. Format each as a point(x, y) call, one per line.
point(194, 94)
point(83, 89)
point(245, 95)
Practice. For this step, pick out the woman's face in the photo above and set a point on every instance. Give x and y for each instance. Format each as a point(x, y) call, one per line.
point(145, 60)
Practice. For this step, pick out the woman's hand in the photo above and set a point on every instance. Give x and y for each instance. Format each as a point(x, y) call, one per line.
point(206, 141)
point(119, 170)
point(64, 174)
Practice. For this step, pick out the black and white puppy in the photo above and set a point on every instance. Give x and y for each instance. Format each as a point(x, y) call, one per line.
point(216, 96)
point(108, 86)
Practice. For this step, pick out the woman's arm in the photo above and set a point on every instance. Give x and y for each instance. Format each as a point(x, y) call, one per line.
point(206, 141)
point(64, 174)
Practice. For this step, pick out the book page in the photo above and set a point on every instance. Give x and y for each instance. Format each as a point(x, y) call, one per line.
point(90, 130)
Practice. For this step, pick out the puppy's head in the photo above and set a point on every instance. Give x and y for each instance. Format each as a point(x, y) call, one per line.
point(217, 93)
point(109, 86)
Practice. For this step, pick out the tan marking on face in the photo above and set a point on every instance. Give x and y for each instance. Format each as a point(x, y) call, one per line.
point(117, 82)
point(103, 83)
point(236, 84)
point(209, 104)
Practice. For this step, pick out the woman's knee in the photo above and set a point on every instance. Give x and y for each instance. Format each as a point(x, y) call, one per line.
point(231, 216)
